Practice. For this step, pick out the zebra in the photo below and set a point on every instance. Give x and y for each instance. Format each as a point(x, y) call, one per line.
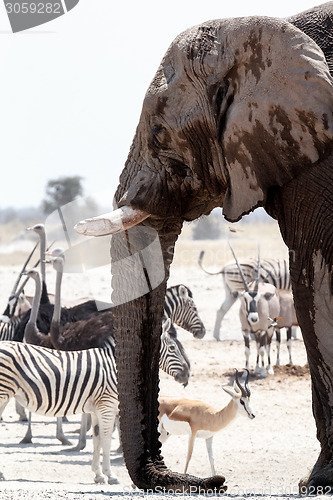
point(173, 361)
point(273, 271)
point(179, 306)
point(62, 383)
point(17, 305)
point(173, 358)
point(7, 328)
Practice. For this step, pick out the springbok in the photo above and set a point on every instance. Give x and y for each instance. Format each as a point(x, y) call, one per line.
point(199, 419)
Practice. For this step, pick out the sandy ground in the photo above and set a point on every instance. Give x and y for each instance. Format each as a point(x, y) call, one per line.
point(262, 457)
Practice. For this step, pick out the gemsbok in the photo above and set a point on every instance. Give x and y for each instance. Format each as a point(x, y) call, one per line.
point(200, 419)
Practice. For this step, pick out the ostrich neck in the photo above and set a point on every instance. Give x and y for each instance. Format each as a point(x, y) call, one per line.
point(36, 301)
point(57, 299)
point(42, 256)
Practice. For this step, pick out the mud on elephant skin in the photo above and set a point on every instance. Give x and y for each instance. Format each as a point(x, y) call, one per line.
point(238, 115)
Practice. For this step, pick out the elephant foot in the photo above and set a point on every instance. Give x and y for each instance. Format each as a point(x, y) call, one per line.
point(162, 480)
point(319, 482)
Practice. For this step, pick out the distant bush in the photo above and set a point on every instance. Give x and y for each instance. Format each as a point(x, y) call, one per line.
point(209, 227)
point(26, 214)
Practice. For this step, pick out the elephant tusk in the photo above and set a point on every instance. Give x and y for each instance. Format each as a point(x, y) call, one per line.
point(112, 222)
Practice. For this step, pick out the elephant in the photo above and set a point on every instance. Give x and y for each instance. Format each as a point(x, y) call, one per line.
point(318, 24)
point(239, 115)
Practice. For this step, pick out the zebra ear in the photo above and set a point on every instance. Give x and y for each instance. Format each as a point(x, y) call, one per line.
point(183, 293)
point(166, 325)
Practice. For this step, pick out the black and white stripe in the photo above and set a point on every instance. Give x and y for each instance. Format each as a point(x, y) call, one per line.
point(59, 383)
point(7, 328)
point(173, 358)
point(179, 306)
point(272, 270)
point(173, 361)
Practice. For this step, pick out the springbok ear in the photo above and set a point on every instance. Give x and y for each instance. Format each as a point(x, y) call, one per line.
point(183, 292)
point(279, 120)
point(229, 390)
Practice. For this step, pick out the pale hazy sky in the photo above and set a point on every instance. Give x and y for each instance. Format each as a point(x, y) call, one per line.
point(71, 90)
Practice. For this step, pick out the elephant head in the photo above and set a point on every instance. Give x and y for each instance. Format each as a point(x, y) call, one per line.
point(318, 24)
point(239, 114)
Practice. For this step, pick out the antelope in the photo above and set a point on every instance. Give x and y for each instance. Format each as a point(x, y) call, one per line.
point(287, 319)
point(199, 419)
point(259, 303)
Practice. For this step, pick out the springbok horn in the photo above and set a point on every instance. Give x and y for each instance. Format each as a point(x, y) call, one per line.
point(247, 289)
point(258, 276)
point(248, 392)
point(245, 390)
point(111, 223)
point(238, 383)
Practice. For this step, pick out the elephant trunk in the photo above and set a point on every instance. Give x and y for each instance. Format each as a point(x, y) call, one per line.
point(138, 330)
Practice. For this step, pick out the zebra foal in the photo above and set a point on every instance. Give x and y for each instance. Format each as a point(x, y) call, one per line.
point(63, 383)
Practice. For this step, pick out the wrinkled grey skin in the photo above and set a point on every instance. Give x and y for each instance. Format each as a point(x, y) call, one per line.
point(318, 24)
point(239, 115)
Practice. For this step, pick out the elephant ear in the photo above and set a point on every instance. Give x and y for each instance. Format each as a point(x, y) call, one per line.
point(279, 121)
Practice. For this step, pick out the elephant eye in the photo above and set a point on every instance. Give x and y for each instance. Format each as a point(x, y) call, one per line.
point(157, 129)
point(178, 168)
point(157, 134)
point(160, 137)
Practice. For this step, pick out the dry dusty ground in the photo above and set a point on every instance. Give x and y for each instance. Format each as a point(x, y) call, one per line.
point(261, 457)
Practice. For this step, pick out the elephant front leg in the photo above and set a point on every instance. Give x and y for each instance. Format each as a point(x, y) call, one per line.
point(319, 344)
point(304, 210)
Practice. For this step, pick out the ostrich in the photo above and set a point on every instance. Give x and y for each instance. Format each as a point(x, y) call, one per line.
point(80, 334)
point(17, 302)
point(40, 230)
point(33, 336)
point(84, 334)
point(78, 312)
